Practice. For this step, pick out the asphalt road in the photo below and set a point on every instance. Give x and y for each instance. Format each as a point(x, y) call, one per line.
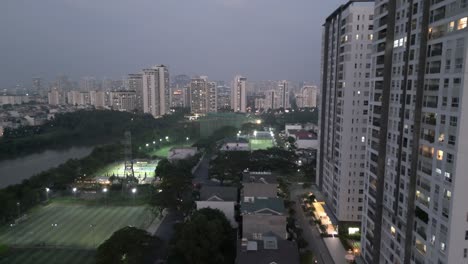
point(311, 234)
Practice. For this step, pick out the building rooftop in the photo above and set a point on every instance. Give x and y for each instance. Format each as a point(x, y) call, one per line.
point(270, 206)
point(305, 135)
point(218, 193)
point(267, 251)
point(259, 177)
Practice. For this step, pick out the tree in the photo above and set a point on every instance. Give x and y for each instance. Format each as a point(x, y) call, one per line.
point(175, 189)
point(128, 245)
point(207, 237)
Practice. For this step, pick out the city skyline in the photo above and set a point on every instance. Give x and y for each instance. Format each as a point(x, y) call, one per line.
point(108, 45)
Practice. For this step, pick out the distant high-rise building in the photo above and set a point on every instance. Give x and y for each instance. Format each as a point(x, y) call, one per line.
point(156, 91)
point(203, 95)
point(283, 91)
point(135, 83)
point(224, 97)
point(238, 94)
point(307, 97)
point(271, 100)
point(345, 95)
point(88, 84)
point(55, 97)
point(98, 99)
point(37, 85)
point(123, 100)
point(181, 81)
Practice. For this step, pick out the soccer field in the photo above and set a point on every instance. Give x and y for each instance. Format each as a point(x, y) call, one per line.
point(256, 144)
point(73, 226)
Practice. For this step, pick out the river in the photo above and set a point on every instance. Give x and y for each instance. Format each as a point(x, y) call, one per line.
point(16, 170)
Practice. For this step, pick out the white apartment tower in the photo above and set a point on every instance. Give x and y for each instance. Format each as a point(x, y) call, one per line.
point(156, 91)
point(346, 47)
point(283, 92)
point(416, 201)
point(238, 94)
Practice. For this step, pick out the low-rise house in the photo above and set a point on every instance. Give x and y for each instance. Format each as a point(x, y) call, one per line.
point(261, 216)
point(259, 177)
point(268, 250)
point(219, 197)
point(305, 139)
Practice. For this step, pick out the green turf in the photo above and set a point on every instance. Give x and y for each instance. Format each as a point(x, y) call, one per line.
point(256, 144)
point(164, 151)
point(73, 228)
point(49, 256)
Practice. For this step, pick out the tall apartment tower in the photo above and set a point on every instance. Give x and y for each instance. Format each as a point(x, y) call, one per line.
point(203, 95)
point(416, 203)
point(135, 83)
point(307, 97)
point(156, 91)
point(345, 90)
point(238, 94)
point(283, 91)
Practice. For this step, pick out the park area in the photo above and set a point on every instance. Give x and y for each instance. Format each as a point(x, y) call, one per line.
point(257, 144)
point(67, 233)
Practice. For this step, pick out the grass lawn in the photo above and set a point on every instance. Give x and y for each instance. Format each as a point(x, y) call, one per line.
point(256, 144)
point(49, 256)
point(163, 151)
point(73, 226)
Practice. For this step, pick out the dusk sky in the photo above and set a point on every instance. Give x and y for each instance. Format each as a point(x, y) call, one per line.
point(260, 39)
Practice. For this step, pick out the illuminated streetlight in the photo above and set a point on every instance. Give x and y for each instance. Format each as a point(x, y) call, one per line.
point(154, 142)
point(167, 138)
point(160, 139)
point(187, 138)
point(104, 190)
point(47, 190)
point(147, 145)
point(134, 190)
point(74, 189)
point(160, 190)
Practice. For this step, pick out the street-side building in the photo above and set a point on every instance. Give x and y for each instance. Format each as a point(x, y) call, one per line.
point(346, 67)
point(268, 250)
point(219, 197)
point(263, 217)
point(181, 153)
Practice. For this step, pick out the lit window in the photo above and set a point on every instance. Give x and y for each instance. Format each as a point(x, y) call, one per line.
point(440, 155)
point(462, 23)
point(451, 26)
point(438, 171)
point(393, 230)
point(395, 43)
point(442, 246)
point(357, 36)
point(400, 42)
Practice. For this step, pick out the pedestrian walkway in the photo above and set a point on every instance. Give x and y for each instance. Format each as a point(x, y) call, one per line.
point(153, 227)
point(336, 249)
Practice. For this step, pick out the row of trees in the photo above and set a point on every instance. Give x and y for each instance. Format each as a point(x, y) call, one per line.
point(86, 127)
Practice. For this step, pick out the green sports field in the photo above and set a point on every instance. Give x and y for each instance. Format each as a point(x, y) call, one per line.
point(256, 144)
point(77, 226)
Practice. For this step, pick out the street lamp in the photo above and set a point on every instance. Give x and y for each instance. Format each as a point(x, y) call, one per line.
point(167, 138)
point(18, 205)
point(105, 193)
point(154, 142)
point(47, 190)
point(74, 191)
point(147, 145)
point(134, 190)
point(187, 138)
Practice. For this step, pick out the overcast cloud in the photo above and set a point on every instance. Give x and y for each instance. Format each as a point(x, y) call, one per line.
point(261, 39)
